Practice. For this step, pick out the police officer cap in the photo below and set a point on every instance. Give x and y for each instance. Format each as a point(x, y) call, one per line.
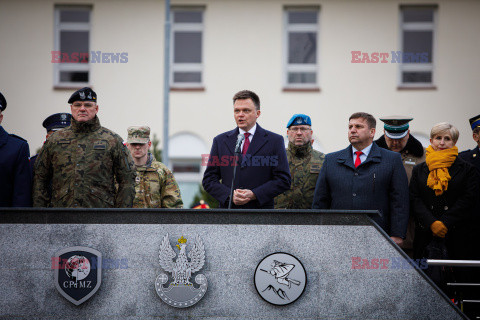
point(138, 134)
point(3, 102)
point(84, 94)
point(298, 120)
point(396, 127)
point(475, 122)
point(57, 121)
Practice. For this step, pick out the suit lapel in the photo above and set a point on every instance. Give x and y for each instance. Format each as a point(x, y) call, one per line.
point(374, 155)
point(231, 140)
point(346, 157)
point(258, 141)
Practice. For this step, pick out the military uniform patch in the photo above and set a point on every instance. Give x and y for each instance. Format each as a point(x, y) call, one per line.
point(410, 162)
point(100, 145)
point(64, 141)
point(315, 167)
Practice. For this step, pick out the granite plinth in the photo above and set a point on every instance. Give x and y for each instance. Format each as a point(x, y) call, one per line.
point(326, 247)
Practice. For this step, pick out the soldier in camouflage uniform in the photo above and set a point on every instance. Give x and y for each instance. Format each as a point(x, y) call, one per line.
point(304, 163)
point(397, 138)
point(155, 186)
point(86, 164)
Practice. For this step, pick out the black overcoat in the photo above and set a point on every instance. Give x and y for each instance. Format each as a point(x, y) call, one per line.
point(15, 175)
point(455, 208)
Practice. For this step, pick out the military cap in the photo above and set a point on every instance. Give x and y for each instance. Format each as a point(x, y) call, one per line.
point(57, 121)
point(84, 94)
point(396, 127)
point(298, 120)
point(138, 134)
point(475, 122)
point(3, 102)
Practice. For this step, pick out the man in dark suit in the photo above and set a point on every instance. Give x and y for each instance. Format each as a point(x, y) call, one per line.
point(262, 170)
point(473, 156)
point(15, 177)
point(365, 177)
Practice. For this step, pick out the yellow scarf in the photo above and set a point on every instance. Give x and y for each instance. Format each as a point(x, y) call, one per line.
point(438, 163)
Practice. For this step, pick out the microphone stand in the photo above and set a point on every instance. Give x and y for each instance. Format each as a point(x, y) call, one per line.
point(236, 157)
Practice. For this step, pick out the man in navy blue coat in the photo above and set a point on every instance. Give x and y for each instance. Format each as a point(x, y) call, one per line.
point(365, 177)
point(15, 177)
point(262, 170)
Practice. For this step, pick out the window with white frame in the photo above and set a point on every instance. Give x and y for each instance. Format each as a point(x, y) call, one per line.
point(417, 38)
point(72, 46)
point(187, 47)
point(301, 49)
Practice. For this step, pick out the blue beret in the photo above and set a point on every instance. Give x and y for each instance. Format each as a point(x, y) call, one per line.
point(57, 121)
point(475, 122)
point(3, 102)
point(298, 120)
point(84, 94)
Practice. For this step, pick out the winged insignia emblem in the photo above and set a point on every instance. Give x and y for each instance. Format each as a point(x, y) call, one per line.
point(181, 266)
point(182, 269)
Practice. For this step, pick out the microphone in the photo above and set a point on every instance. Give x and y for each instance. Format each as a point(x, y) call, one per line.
point(240, 138)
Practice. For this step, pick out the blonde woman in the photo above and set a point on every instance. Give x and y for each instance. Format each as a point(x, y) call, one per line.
point(443, 192)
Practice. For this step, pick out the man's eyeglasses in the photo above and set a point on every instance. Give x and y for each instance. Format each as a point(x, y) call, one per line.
point(85, 104)
point(302, 129)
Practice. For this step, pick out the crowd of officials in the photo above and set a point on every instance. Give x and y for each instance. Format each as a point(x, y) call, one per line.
point(427, 198)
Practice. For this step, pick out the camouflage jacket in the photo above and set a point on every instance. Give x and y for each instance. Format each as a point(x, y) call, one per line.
point(155, 186)
point(305, 164)
point(83, 163)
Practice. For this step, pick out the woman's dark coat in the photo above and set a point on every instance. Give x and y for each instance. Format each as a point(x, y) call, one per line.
point(455, 208)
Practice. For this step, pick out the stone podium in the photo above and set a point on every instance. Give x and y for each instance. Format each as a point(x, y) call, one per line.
point(353, 269)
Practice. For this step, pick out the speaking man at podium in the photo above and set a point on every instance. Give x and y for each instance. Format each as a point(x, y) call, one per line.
point(261, 172)
point(365, 177)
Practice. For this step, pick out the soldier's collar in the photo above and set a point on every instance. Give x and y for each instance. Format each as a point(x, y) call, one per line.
point(300, 151)
point(86, 126)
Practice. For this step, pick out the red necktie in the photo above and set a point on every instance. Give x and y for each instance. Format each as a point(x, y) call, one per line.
point(246, 144)
point(357, 160)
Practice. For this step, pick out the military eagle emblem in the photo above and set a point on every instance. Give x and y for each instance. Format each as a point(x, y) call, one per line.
point(181, 292)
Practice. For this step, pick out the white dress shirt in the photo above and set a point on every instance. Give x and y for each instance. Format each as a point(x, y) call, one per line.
point(250, 137)
point(364, 155)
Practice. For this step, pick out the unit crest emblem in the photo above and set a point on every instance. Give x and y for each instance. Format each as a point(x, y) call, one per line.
point(280, 278)
point(78, 273)
point(180, 292)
